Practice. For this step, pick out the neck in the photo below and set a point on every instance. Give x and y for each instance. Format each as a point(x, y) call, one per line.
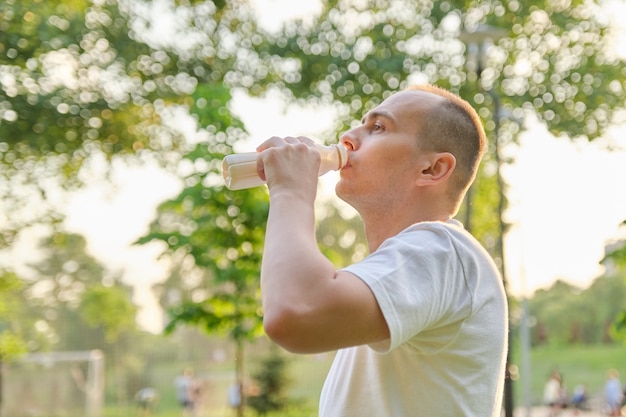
point(382, 225)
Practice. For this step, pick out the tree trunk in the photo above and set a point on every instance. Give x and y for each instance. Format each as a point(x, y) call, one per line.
point(239, 366)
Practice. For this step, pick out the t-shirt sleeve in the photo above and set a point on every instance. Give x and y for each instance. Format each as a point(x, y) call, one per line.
point(418, 282)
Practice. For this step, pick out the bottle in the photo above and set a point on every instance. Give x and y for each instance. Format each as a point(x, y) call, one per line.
point(239, 170)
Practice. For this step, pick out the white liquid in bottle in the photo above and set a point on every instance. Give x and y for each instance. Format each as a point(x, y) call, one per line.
point(239, 170)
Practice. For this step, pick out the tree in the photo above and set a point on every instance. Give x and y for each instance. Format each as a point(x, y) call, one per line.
point(55, 289)
point(221, 232)
point(70, 302)
point(123, 89)
point(83, 79)
point(216, 236)
point(108, 307)
point(341, 235)
point(617, 257)
point(567, 315)
point(12, 343)
point(74, 303)
point(271, 381)
point(554, 63)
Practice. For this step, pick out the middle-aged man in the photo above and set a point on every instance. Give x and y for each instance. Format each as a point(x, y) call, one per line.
point(419, 325)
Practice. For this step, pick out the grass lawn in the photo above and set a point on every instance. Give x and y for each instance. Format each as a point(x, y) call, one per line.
point(586, 365)
point(578, 364)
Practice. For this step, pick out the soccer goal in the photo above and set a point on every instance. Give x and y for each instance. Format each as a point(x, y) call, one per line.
point(68, 384)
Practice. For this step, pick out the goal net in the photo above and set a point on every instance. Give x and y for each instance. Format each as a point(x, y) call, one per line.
point(60, 384)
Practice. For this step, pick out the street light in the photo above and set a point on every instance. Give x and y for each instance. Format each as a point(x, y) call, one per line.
point(477, 42)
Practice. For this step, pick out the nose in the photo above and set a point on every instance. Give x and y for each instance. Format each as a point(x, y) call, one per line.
point(349, 140)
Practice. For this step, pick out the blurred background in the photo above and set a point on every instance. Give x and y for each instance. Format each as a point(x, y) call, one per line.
point(124, 260)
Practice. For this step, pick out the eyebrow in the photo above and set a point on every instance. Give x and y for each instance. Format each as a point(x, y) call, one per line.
point(377, 113)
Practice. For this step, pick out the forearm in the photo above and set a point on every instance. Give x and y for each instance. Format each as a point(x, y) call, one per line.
point(294, 273)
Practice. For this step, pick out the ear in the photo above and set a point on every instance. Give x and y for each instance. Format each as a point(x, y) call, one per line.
point(438, 168)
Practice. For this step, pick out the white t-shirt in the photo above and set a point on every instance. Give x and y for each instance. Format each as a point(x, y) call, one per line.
point(445, 306)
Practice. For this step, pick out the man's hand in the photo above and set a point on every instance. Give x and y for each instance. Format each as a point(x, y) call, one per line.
point(289, 162)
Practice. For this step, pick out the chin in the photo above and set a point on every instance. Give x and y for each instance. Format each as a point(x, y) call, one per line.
point(340, 189)
point(343, 191)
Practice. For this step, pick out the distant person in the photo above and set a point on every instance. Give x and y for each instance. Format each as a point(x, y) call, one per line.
point(552, 393)
point(146, 400)
point(613, 393)
point(234, 395)
point(579, 398)
point(185, 392)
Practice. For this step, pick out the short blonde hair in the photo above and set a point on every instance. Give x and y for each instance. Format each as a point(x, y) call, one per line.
point(453, 126)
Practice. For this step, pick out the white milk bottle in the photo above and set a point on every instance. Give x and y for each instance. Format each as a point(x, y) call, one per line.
point(239, 170)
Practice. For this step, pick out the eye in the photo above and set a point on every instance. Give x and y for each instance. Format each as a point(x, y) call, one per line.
point(377, 126)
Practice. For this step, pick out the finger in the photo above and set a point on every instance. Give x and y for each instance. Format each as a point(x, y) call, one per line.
point(272, 142)
point(260, 169)
point(291, 140)
point(308, 141)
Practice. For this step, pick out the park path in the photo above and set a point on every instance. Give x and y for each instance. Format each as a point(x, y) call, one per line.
point(545, 412)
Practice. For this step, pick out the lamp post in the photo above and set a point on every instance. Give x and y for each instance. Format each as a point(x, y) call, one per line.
point(477, 42)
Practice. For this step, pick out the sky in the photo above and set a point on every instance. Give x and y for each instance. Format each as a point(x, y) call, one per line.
point(567, 200)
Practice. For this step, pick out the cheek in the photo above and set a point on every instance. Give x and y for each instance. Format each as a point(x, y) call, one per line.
point(362, 181)
point(353, 182)
point(377, 170)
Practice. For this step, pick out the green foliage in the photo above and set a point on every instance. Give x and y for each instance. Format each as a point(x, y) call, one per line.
point(70, 89)
point(12, 342)
point(618, 255)
point(342, 240)
point(482, 220)
point(214, 234)
point(12, 345)
point(110, 308)
point(271, 381)
point(80, 112)
point(356, 53)
point(237, 317)
point(620, 326)
point(554, 63)
point(71, 302)
point(565, 315)
point(222, 233)
point(80, 79)
point(10, 283)
point(65, 270)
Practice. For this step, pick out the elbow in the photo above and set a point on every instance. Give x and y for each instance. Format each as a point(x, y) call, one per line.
point(287, 329)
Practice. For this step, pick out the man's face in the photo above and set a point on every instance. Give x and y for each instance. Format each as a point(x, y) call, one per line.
point(382, 152)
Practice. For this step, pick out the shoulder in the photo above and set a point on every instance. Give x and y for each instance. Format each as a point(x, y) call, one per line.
point(444, 238)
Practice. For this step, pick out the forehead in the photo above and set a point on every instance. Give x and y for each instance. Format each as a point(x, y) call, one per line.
point(410, 101)
point(406, 109)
